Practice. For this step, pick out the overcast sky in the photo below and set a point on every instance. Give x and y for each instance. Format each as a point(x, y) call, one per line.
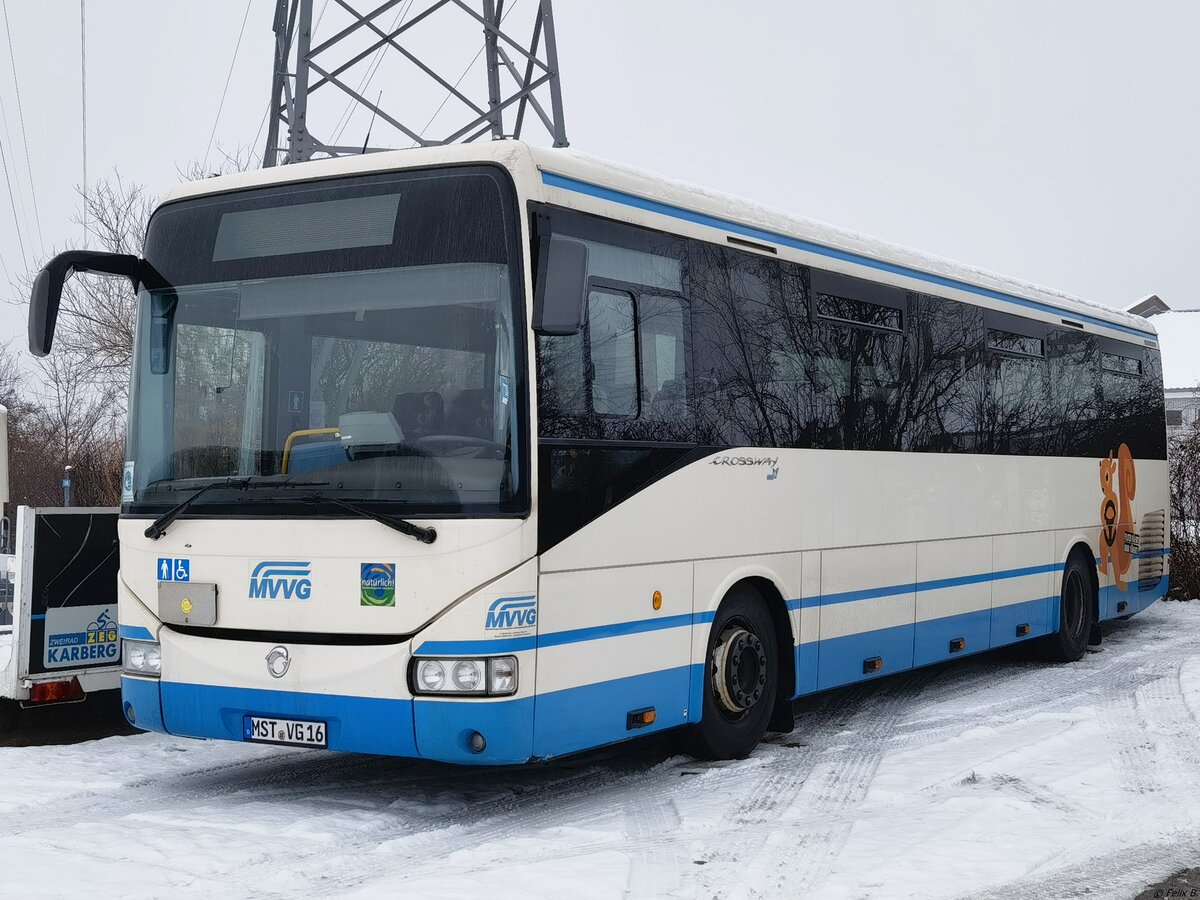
point(1056, 142)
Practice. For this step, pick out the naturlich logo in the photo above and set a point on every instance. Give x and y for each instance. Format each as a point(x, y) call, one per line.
point(276, 579)
point(377, 584)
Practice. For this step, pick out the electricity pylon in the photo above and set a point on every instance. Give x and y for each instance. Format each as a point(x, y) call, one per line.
point(517, 71)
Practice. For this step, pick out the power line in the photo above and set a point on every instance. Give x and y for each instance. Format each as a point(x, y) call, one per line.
point(12, 204)
point(20, 200)
point(229, 75)
point(83, 110)
point(21, 115)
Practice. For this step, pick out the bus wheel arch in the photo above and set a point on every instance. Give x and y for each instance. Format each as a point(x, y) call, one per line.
point(743, 674)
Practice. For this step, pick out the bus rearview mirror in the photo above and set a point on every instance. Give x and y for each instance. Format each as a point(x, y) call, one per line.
point(47, 290)
point(560, 293)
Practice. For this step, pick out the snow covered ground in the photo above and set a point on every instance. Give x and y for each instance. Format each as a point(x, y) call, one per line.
point(992, 777)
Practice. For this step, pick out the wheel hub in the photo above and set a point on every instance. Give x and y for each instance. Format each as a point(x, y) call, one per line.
point(739, 669)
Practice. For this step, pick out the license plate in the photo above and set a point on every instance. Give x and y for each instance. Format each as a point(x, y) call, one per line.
point(284, 731)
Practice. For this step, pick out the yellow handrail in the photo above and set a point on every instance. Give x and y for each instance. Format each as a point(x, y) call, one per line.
point(291, 438)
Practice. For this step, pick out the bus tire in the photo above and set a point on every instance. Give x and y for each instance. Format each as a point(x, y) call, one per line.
point(1076, 613)
point(741, 679)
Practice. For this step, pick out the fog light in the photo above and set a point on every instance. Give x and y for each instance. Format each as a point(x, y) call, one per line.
point(477, 742)
point(431, 674)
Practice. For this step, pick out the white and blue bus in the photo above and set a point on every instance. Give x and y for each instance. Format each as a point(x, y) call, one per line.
point(491, 453)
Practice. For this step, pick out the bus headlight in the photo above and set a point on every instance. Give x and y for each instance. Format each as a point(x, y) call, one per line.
point(141, 658)
point(493, 676)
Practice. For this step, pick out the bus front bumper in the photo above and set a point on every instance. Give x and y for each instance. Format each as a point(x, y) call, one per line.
point(420, 728)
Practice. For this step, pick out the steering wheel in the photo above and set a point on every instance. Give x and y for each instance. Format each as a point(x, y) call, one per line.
point(460, 445)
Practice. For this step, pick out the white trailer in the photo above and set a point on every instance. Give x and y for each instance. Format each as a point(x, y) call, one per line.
point(58, 606)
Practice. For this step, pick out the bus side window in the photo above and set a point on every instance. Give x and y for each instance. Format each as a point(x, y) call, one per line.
point(612, 354)
point(1122, 377)
point(947, 386)
point(662, 337)
point(862, 354)
point(1017, 401)
point(1074, 390)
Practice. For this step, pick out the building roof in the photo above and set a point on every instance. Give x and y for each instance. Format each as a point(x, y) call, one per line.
point(1179, 339)
point(1150, 305)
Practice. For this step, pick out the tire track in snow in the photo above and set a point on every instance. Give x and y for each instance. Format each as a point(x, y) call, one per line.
point(772, 790)
point(1174, 722)
point(1117, 874)
point(649, 824)
point(1132, 745)
point(838, 777)
point(533, 808)
point(1007, 693)
point(805, 869)
point(66, 810)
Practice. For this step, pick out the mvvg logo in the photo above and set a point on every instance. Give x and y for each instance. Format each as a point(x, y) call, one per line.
point(273, 579)
point(512, 612)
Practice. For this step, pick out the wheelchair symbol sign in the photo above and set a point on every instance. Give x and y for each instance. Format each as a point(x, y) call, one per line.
point(174, 569)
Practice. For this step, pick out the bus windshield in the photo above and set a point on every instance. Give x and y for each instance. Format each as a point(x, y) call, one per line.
point(361, 337)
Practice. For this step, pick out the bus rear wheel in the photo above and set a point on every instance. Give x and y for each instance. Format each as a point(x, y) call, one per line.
point(741, 679)
point(1076, 613)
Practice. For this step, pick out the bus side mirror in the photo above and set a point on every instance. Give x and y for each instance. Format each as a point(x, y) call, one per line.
point(560, 293)
point(48, 286)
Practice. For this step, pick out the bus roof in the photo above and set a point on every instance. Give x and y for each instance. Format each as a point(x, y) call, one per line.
point(654, 193)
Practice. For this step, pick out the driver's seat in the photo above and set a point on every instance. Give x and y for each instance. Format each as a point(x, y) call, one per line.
point(419, 413)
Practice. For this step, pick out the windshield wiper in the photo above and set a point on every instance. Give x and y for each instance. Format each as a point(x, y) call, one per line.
point(422, 534)
point(160, 525)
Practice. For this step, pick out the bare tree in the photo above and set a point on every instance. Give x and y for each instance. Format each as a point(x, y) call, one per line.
point(1185, 515)
point(97, 313)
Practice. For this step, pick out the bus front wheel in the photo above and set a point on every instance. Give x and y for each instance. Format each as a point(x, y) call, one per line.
point(741, 679)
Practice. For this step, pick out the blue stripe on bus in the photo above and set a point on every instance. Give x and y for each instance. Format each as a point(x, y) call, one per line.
point(136, 633)
point(38, 617)
point(638, 626)
point(677, 212)
point(617, 629)
point(595, 633)
point(558, 638)
point(476, 648)
point(919, 586)
point(1147, 554)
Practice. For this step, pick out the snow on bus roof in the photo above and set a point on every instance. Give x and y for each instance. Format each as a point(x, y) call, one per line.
point(674, 192)
point(648, 185)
